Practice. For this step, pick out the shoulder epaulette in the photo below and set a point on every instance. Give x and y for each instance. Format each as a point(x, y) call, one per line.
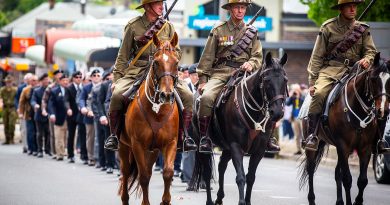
point(219, 24)
point(329, 21)
point(134, 20)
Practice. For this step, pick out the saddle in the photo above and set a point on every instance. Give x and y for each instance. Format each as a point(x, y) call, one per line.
point(228, 88)
point(332, 97)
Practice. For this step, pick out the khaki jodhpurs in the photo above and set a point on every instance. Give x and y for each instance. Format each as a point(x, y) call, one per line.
point(323, 86)
point(210, 92)
point(123, 84)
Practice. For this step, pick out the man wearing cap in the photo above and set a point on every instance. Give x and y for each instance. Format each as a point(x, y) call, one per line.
point(326, 66)
point(75, 119)
point(7, 94)
point(57, 114)
point(127, 70)
point(214, 72)
point(41, 122)
point(193, 76)
point(85, 103)
point(45, 99)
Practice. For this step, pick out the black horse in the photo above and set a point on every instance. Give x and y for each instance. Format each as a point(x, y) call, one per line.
point(354, 123)
point(242, 125)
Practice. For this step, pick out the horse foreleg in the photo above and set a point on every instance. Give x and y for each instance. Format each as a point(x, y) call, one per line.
point(310, 169)
point(143, 170)
point(124, 157)
point(225, 158)
point(169, 154)
point(251, 176)
point(338, 179)
point(364, 159)
point(237, 157)
point(346, 173)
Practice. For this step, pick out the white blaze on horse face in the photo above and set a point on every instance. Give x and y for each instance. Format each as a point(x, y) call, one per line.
point(165, 57)
point(384, 77)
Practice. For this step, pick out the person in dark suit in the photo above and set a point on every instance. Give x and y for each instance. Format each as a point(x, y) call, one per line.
point(106, 157)
point(84, 103)
point(75, 119)
point(41, 122)
point(58, 114)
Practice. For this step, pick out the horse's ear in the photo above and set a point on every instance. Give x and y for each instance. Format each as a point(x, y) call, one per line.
point(268, 58)
point(156, 41)
point(174, 40)
point(377, 58)
point(283, 60)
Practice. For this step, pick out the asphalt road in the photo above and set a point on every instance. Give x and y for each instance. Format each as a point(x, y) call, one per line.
point(27, 180)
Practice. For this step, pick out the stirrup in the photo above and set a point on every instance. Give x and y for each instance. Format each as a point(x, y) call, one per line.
point(191, 142)
point(310, 146)
point(206, 147)
point(111, 143)
point(385, 149)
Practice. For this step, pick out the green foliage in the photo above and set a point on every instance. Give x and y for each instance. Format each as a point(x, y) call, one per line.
point(320, 10)
point(27, 5)
point(3, 18)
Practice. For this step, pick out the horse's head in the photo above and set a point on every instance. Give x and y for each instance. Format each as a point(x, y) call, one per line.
point(273, 85)
point(164, 70)
point(379, 85)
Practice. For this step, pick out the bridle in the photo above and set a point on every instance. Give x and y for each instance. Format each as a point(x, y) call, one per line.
point(156, 99)
point(369, 110)
point(251, 103)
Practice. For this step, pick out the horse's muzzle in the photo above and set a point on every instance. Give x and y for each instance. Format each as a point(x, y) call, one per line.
point(166, 97)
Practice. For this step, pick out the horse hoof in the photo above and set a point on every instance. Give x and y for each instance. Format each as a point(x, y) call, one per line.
point(209, 203)
point(165, 203)
point(358, 203)
point(218, 202)
point(340, 202)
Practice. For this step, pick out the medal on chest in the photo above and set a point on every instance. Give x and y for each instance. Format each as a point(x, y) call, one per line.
point(226, 41)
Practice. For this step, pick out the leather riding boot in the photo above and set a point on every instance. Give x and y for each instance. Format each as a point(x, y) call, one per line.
point(383, 146)
point(312, 139)
point(112, 141)
point(205, 145)
point(186, 143)
point(272, 145)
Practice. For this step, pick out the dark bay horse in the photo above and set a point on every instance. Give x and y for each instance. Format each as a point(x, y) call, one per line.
point(242, 125)
point(353, 125)
point(151, 125)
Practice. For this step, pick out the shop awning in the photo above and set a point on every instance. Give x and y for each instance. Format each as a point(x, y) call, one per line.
point(15, 63)
point(36, 54)
point(81, 49)
point(53, 35)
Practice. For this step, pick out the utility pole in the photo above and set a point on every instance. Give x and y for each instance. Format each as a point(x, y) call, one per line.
point(222, 12)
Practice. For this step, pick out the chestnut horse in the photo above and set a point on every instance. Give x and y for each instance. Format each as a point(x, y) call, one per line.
point(353, 124)
point(151, 125)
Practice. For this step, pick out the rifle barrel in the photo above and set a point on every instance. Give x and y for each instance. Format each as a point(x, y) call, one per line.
point(170, 9)
point(255, 16)
point(366, 10)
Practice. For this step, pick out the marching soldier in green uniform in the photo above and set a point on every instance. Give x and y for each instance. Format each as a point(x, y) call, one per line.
point(127, 69)
point(327, 65)
point(216, 64)
point(7, 93)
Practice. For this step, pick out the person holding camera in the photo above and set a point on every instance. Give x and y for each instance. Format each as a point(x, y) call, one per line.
point(296, 100)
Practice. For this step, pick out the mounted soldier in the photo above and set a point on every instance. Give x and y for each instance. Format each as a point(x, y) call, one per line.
point(341, 42)
point(132, 61)
point(220, 60)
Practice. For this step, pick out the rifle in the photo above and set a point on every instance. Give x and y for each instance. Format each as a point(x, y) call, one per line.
point(366, 10)
point(148, 35)
point(255, 16)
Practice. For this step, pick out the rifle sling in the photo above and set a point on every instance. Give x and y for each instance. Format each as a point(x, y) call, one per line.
point(146, 46)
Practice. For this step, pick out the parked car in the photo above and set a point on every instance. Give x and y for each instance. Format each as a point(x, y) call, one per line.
point(381, 162)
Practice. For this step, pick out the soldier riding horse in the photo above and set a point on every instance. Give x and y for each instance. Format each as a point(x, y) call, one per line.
point(354, 123)
point(151, 125)
point(242, 125)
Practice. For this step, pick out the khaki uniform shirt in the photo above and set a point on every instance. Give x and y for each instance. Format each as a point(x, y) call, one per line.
point(331, 33)
point(220, 36)
point(129, 48)
point(8, 96)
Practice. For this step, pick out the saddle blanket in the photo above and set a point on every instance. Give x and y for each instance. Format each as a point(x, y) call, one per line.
point(305, 107)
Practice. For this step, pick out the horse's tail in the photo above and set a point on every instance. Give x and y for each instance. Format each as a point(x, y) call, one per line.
point(310, 163)
point(204, 166)
point(133, 182)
